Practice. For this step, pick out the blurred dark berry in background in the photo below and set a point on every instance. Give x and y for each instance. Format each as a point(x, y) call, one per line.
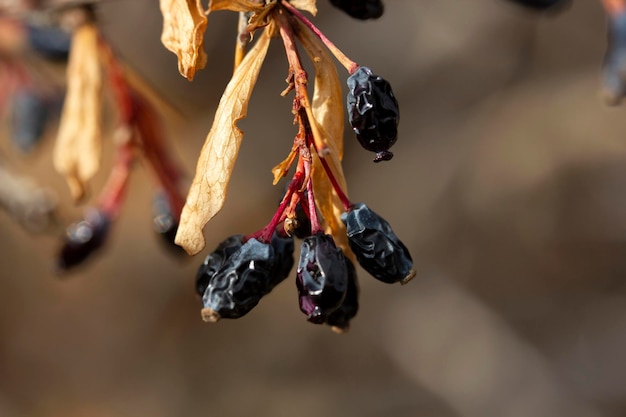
point(83, 238)
point(360, 9)
point(614, 70)
point(164, 223)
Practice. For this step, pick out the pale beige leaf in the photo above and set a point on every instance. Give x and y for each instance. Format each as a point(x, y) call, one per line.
point(306, 5)
point(184, 23)
point(328, 101)
point(327, 108)
point(280, 170)
point(326, 198)
point(78, 145)
point(217, 157)
point(235, 5)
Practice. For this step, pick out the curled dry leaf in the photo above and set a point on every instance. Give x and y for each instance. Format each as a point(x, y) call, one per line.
point(184, 23)
point(280, 170)
point(327, 109)
point(235, 5)
point(306, 5)
point(217, 157)
point(78, 145)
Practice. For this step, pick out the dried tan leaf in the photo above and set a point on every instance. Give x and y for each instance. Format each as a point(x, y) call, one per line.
point(280, 170)
point(184, 23)
point(327, 108)
point(326, 198)
point(78, 145)
point(217, 157)
point(328, 100)
point(306, 5)
point(235, 5)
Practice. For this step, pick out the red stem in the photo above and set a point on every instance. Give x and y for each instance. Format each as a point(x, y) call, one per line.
point(348, 64)
point(347, 204)
point(265, 234)
point(114, 191)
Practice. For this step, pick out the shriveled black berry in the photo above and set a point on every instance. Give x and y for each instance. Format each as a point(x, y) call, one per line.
point(241, 282)
point(541, 4)
point(303, 223)
point(373, 112)
point(376, 246)
point(165, 224)
point(83, 238)
point(321, 277)
point(340, 318)
point(360, 9)
point(614, 69)
point(215, 260)
point(283, 251)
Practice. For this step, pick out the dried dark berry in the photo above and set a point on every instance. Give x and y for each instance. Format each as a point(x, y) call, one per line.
point(29, 117)
point(240, 283)
point(283, 251)
point(360, 9)
point(541, 4)
point(321, 278)
point(340, 318)
point(614, 70)
point(373, 112)
point(215, 260)
point(83, 238)
point(302, 228)
point(165, 224)
point(376, 246)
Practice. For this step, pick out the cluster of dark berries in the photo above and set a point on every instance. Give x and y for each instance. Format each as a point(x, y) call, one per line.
point(241, 270)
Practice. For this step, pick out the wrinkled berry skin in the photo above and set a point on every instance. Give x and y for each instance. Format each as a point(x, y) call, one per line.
point(373, 112)
point(614, 69)
point(241, 282)
point(340, 318)
point(215, 260)
point(360, 9)
point(303, 227)
point(83, 238)
point(283, 251)
point(376, 246)
point(541, 4)
point(321, 277)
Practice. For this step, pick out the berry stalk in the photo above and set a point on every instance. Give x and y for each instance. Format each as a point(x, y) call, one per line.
point(347, 63)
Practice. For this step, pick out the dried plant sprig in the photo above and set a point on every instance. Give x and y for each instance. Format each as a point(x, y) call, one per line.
point(78, 145)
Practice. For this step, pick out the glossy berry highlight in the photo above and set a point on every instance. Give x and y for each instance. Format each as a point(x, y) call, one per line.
point(376, 246)
point(321, 277)
point(373, 112)
point(240, 283)
point(83, 238)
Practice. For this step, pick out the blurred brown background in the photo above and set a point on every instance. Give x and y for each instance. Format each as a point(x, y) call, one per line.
point(508, 186)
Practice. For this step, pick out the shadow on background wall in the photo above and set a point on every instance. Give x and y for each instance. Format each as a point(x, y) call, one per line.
point(508, 187)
